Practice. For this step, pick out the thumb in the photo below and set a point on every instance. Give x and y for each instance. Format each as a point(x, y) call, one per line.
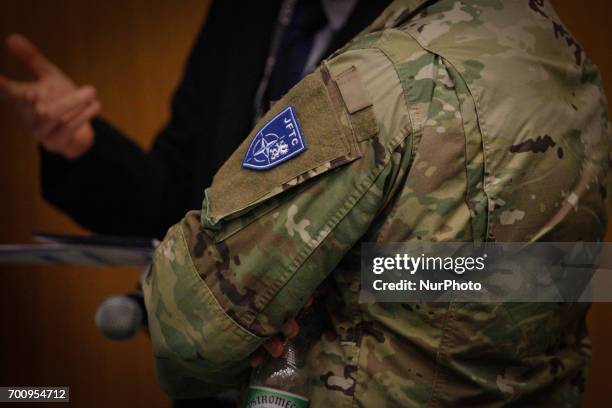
point(16, 90)
point(28, 54)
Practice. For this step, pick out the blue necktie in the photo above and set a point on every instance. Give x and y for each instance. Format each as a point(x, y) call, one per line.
point(308, 18)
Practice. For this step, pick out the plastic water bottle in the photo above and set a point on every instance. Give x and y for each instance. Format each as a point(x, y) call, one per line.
point(283, 382)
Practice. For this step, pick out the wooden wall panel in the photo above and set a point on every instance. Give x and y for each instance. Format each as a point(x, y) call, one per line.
point(133, 52)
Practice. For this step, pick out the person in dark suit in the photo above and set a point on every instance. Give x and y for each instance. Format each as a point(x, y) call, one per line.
point(105, 182)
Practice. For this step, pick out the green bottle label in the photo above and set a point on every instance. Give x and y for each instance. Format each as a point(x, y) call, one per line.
point(262, 397)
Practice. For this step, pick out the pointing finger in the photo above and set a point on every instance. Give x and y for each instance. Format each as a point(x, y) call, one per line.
point(85, 116)
point(49, 116)
point(26, 52)
point(63, 133)
point(80, 97)
point(72, 140)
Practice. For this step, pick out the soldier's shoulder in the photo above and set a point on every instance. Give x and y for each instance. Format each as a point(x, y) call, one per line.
point(396, 43)
point(396, 73)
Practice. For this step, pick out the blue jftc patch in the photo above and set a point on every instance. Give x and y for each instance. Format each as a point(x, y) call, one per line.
point(278, 140)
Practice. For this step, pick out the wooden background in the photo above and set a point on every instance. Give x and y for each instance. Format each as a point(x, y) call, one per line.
point(133, 52)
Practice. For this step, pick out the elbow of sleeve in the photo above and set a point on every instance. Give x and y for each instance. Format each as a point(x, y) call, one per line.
point(199, 349)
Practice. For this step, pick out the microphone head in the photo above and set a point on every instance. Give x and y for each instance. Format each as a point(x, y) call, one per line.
point(119, 317)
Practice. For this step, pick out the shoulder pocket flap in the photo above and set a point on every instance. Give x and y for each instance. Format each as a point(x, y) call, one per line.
point(329, 141)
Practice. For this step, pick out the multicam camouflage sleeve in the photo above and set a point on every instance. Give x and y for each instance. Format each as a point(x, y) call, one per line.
point(443, 121)
point(227, 277)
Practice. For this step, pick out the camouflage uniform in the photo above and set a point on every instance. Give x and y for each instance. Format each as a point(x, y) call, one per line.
point(443, 121)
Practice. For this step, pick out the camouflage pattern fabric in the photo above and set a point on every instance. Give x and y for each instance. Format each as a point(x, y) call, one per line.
point(443, 121)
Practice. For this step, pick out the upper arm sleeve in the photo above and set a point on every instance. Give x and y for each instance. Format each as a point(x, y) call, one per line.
point(227, 277)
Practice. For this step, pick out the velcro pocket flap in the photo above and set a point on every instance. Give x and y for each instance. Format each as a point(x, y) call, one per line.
point(327, 135)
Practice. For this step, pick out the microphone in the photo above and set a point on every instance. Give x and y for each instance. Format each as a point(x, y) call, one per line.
point(120, 317)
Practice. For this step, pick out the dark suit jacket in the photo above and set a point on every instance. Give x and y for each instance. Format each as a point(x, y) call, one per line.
point(117, 188)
